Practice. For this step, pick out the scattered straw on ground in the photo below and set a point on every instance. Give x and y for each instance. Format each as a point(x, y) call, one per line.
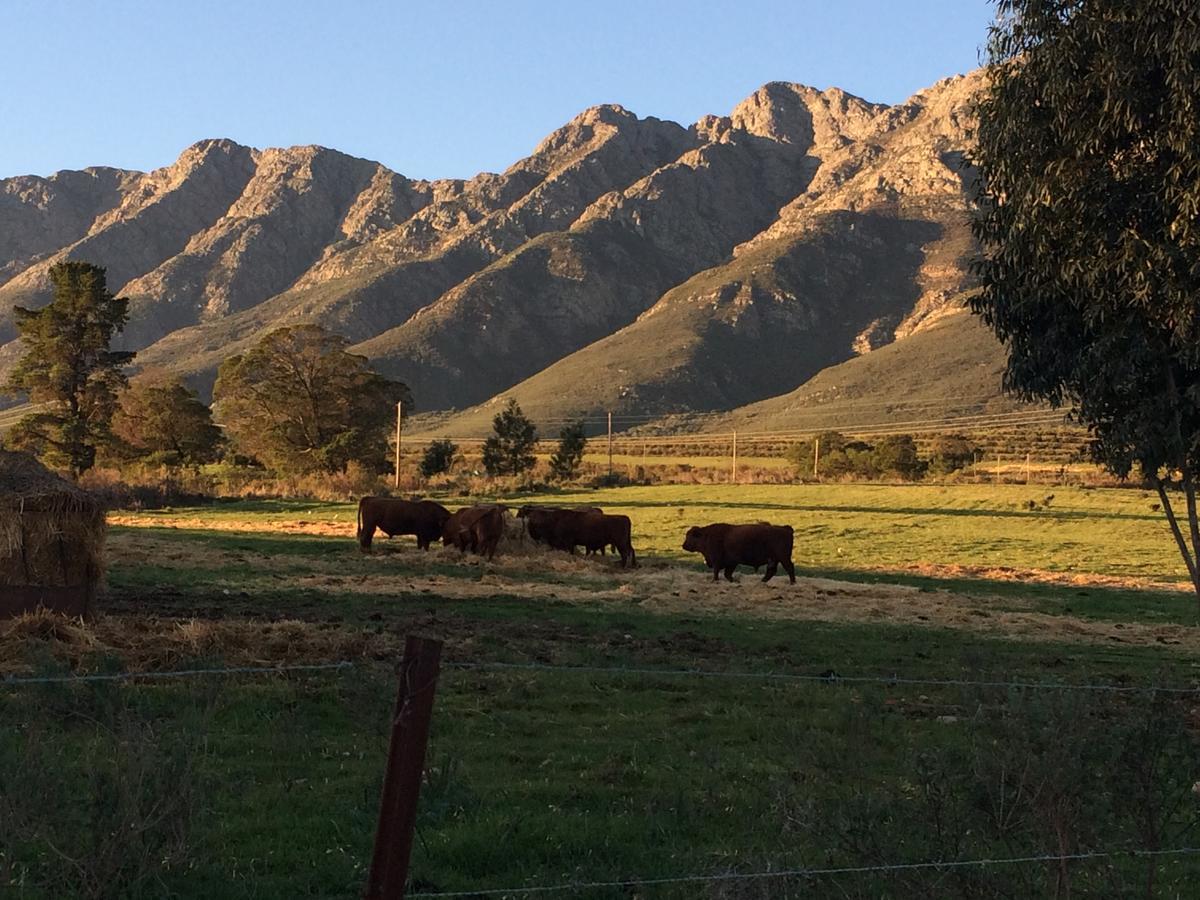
point(529, 571)
point(144, 643)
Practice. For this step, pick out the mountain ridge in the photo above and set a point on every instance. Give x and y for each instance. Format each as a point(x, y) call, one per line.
point(627, 263)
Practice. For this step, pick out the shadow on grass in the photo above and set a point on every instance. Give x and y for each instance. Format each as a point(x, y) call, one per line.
point(1106, 604)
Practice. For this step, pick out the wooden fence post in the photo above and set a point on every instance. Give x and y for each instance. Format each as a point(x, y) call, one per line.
point(399, 419)
point(610, 445)
point(406, 764)
point(816, 456)
point(734, 479)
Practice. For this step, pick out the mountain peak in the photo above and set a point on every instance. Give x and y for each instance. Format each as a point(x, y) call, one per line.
point(805, 116)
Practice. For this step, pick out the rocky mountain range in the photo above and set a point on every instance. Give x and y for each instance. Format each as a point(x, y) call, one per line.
point(627, 264)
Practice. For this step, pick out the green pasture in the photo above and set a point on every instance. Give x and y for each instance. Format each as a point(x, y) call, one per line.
point(545, 776)
point(858, 527)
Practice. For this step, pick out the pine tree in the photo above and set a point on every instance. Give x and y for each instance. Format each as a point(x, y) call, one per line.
point(568, 457)
point(69, 369)
point(510, 450)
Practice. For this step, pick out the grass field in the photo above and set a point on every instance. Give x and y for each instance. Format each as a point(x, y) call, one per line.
point(544, 775)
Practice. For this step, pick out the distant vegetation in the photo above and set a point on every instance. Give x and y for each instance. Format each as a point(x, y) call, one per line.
point(509, 451)
point(833, 455)
point(568, 458)
point(438, 458)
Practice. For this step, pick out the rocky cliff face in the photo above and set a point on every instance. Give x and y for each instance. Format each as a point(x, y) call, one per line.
point(659, 266)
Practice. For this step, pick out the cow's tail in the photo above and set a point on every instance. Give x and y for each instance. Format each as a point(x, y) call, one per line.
point(359, 531)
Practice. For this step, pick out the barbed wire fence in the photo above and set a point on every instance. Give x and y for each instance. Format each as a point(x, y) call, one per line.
point(831, 679)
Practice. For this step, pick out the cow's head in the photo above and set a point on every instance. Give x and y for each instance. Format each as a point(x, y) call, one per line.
point(691, 540)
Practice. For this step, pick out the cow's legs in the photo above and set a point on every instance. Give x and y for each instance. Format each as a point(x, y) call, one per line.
point(772, 568)
point(790, 569)
point(729, 572)
point(716, 573)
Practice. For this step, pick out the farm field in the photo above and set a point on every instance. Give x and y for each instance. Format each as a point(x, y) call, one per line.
point(553, 763)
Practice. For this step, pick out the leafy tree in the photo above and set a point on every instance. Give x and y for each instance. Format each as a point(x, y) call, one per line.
point(836, 456)
point(69, 369)
point(897, 455)
point(1089, 161)
point(568, 457)
point(949, 453)
point(160, 420)
point(438, 458)
point(301, 403)
point(510, 450)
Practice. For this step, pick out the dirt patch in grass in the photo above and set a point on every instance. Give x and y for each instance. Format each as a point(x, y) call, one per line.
point(1035, 576)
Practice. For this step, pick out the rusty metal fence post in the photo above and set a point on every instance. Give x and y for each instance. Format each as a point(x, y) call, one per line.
point(406, 764)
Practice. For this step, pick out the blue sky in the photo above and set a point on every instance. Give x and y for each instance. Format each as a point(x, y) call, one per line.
point(431, 89)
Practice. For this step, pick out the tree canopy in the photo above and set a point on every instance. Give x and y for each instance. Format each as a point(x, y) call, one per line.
point(300, 402)
point(161, 420)
point(1089, 220)
point(437, 458)
point(69, 369)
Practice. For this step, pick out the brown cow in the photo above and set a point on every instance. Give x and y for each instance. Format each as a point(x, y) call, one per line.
point(725, 547)
point(542, 521)
point(461, 529)
point(593, 531)
point(422, 518)
point(486, 531)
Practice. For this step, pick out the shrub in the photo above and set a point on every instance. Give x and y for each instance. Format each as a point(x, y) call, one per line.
point(897, 455)
point(949, 453)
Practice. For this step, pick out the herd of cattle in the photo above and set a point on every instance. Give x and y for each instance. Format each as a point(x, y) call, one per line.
point(479, 529)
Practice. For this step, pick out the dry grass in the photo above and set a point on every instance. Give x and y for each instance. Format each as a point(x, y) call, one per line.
point(152, 643)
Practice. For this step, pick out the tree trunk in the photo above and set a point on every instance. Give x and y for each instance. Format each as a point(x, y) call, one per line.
point(1193, 528)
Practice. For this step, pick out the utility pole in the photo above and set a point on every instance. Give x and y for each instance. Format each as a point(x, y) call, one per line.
point(816, 455)
point(735, 457)
point(1027, 455)
point(399, 420)
point(610, 443)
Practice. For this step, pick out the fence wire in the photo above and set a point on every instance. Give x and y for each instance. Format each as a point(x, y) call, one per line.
point(828, 678)
point(20, 680)
point(574, 886)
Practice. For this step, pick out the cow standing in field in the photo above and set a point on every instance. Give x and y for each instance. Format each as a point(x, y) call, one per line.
point(422, 518)
point(542, 521)
point(475, 528)
point(725, 547)
point(594, 531)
